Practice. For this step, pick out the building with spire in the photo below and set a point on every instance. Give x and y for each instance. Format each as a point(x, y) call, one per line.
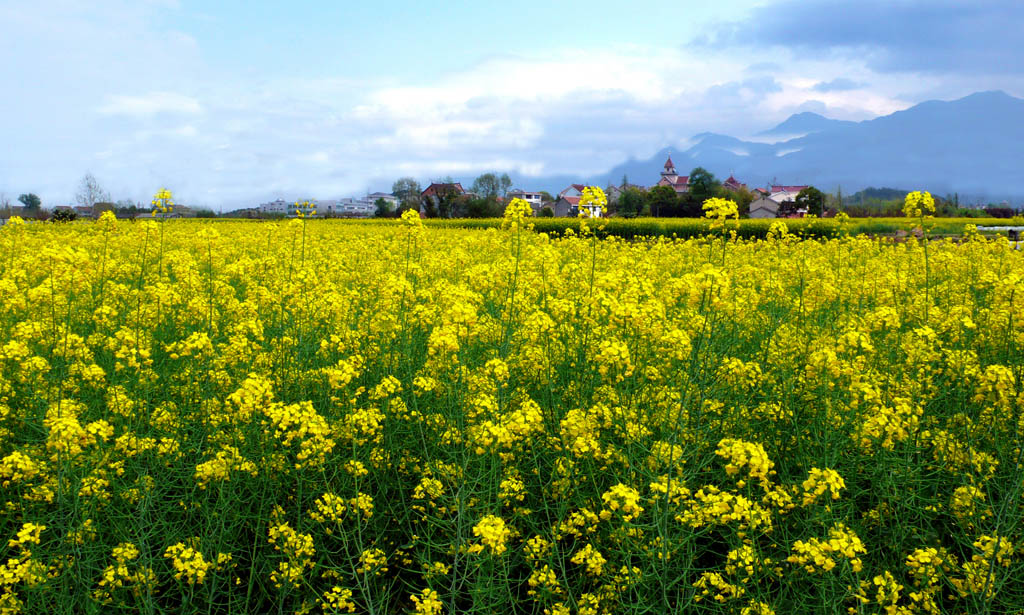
point(733, 184)
point(669, 177)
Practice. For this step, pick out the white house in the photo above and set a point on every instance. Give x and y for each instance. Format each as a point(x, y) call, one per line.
point(532, 197)
point(781, 194)
point(390, 198)
point(356, 208)
point(574, 190)
point(277, 207)
point(327, 207)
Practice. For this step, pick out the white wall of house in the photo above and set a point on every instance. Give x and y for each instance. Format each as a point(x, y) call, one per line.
point(276, 207)
point(764, 208)
point(533, 198)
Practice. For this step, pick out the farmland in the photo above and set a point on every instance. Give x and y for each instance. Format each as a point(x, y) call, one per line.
point(319, 416)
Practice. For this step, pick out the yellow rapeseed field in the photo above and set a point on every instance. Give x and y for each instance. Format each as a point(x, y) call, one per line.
point(312, 417)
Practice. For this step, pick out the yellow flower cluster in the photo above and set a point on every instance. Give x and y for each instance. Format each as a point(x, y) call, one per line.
point(298, 551)
point(818, 481)
point(820, 555)
point(189, 564)
point(302, 424)
point(517, 215)
point(719, 209)
point(123, 574)
point(163, 202)
point(493, 533)
point(338, 600)
point(373, 561)
point(621, 500)
point(749, 455)
point(427, 603)
point(918, 204)
point(591, 558)
point(593, 203)
point(224, 462)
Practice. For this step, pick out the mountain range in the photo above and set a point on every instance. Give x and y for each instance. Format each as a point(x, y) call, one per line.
point(973, 146)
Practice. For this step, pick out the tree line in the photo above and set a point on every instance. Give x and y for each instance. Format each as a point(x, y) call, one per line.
point(89, 195)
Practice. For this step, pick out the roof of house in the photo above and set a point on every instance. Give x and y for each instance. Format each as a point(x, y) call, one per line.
point(680, 180)
point(668, 163)
point(572, 200)
point(435, 187)
point(787, 188)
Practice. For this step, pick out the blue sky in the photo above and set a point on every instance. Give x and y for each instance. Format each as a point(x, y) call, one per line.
point(230, 103)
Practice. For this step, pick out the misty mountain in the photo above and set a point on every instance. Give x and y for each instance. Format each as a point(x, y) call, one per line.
point(801, 124)
point(973, 146)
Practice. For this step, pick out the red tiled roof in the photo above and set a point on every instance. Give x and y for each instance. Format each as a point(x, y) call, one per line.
point(733, 183)
point(678, 182)
point(434, 188)
point(572, 200)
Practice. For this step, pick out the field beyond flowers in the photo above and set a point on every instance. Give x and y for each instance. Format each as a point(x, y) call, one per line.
point(316, 417)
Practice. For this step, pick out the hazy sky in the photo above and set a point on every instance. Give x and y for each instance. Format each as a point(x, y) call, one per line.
point(229, 103)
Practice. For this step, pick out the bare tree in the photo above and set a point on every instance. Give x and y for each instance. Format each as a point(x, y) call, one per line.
point(5, 203)
point(89, 192)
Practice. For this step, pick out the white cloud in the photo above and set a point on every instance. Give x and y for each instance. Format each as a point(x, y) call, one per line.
point(150, 104)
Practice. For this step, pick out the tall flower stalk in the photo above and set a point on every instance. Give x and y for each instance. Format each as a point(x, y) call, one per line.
point(919, 206)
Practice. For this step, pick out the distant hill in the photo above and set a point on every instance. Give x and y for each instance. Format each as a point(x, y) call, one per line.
point(973, 146)
point(802, 124)
point(876, 194)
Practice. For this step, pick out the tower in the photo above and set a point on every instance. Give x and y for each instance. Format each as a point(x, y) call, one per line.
point(670, 171)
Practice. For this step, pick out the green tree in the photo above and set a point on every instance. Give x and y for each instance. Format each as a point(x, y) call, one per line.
point(446, 200)
point(383, 208)
point(631, 202)
point(811, 199)
point(31, 202)
point(742, 197)
point(661, 201)
point(64, 215)
point(545, 197)
point(702, 184)
point(492, 185)
point(406, 188)
point(482, 207)
point(546, 212)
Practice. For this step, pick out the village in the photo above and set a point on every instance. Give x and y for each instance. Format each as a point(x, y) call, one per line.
point(442, 199)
